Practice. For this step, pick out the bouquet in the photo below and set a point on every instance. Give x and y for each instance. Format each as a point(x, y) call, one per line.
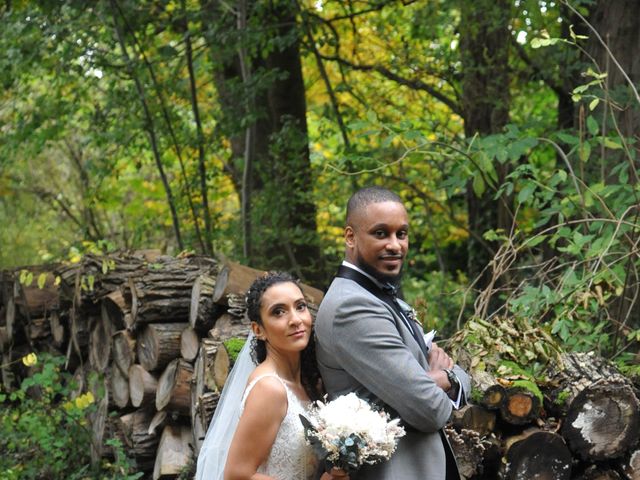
point(348, 433)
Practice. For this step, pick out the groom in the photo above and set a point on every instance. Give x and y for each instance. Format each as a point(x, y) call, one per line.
point(368, 342)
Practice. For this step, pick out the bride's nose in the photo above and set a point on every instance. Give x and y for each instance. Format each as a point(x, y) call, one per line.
point(295, 318)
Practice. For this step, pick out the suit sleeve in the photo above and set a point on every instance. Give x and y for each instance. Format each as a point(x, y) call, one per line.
point(368, 345)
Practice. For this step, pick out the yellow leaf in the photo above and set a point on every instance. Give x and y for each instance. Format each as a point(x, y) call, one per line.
point(30, 359)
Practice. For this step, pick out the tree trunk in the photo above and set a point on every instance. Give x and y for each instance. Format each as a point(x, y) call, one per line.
point(164, 292)
point(484, 46)
point(203, 404)
point(279, 152)
point(630, 465)
point(229, 326)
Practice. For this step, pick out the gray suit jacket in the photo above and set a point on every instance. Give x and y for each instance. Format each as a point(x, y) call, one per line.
point(364, 347)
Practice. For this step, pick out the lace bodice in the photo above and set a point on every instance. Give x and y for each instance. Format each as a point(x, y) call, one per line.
point(290, 457)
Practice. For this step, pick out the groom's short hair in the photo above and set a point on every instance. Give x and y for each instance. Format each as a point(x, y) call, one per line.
point(366, 196)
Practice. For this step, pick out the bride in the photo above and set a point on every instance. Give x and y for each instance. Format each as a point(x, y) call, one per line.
point(267, 440)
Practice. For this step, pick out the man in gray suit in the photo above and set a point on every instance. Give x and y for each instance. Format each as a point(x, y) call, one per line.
point(368, 342)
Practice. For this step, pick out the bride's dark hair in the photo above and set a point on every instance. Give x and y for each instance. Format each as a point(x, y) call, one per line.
point(310, 376)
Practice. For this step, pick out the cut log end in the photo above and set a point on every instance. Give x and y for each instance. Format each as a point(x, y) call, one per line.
point(602, 421)
point(541, 455)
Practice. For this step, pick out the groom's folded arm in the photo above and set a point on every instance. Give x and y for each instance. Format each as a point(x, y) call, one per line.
point(368, 345)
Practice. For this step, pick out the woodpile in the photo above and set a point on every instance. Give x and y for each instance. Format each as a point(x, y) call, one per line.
point(154, 327)
point(577, 418)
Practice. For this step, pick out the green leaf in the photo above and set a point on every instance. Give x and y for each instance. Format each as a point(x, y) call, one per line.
point(478, 185)
point(526, 192)
point(592, 125)
point(568, 139)
point(42, 278)
point(584, 151)
point(593, 104)
point(609, 143)
point(371, 116)
point(536, 240)
point(562, 174)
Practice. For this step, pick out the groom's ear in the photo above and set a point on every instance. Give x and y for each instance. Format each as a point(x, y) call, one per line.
point(349, 236)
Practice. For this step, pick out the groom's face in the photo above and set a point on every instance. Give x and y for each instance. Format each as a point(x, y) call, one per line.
point(378, 239)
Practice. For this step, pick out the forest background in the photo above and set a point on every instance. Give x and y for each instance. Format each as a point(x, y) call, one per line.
point(239, 128)
point(509, 128)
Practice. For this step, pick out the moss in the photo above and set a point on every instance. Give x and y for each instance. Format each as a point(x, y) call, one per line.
point(531, 387)
point(562, 398)
point(233, 346)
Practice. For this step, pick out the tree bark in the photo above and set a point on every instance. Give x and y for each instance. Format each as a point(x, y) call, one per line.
point(141, 442)
point(124, 349)
point(174, 452)
point(174, 388)
point(474, 417)
point(100, 343)
point(203, 311)
point(278, 151)
point(235, 278)
point(484, 47)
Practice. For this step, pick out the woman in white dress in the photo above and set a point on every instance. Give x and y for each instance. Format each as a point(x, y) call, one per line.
point(268, 441)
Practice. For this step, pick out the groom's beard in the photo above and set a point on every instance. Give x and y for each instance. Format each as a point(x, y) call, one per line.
point(381, 277)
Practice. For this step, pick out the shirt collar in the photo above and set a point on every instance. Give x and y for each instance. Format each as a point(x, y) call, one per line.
point(357, 269)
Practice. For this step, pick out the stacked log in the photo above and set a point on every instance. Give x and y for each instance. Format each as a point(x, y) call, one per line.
point(587, 427)
point(149, 326)
point(155, 330)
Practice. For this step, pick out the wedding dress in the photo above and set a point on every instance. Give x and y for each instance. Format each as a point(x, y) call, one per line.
point(291, 458)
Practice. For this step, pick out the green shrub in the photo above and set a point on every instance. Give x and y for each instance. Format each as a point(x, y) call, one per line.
point(44, 431)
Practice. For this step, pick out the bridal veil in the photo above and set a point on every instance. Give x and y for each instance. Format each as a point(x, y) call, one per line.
point(213, 453)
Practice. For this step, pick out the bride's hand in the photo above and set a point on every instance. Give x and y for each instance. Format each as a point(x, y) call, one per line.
point(335, 474)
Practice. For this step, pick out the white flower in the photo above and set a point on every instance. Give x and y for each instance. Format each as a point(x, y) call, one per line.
point(349, 433)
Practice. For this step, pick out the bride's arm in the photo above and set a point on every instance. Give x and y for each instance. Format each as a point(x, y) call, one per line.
point(263, 413)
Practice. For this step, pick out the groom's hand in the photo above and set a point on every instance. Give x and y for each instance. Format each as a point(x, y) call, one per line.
point(438, 359)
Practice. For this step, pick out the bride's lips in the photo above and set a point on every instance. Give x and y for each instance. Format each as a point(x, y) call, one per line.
point(298, 334)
